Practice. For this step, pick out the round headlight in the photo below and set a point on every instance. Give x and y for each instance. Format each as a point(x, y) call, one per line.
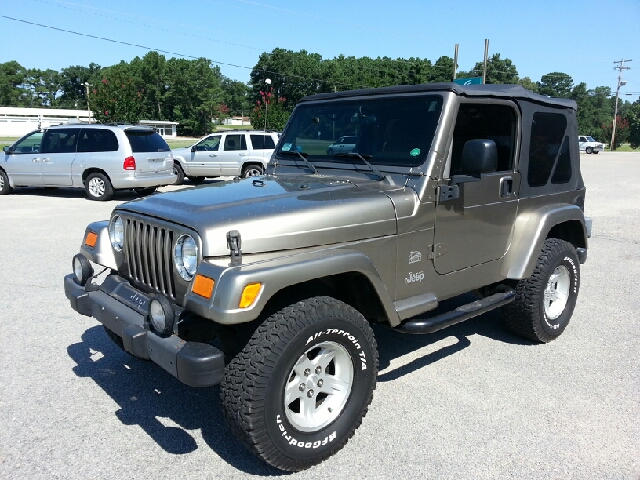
point(185, 256)
point(116, 233)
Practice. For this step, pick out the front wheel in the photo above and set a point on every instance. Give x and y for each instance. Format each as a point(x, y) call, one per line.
point(196, 180)
point(300, 387)
point(179, 173)
point(4, 183)
point(545, 301)
point(98, 187)
point(589, 150)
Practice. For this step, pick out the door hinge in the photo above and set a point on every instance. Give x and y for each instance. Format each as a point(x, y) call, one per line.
point(437, 250)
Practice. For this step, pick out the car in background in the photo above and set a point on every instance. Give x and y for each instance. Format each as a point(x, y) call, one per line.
point(235, 152)
point(99, 158)
point(589, 144)
point(344, 144)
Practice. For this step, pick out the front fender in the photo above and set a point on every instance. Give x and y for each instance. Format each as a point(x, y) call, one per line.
point(274, 275)
point(530, 231)
point(102, 252)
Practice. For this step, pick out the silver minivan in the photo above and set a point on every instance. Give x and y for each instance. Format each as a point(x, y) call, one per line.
point(99, 158)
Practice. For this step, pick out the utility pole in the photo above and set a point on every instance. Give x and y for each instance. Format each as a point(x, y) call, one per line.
point(455, 61)
point(619, 67)
point(486, 54)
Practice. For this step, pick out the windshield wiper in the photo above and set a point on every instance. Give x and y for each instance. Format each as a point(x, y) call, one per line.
point(303, 156)
point(364, 159)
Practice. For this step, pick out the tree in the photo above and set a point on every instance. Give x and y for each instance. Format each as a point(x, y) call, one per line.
point(236, 96)
point(555, 84)
point(118, 96)
point(529, 84)
point(72, 85)
point(622, 131)
point(442, 70)
point(498, 70)
point(633, 117)
point(12, 76)
point(273, 108)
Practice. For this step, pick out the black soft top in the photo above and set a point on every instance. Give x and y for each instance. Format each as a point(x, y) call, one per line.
point(496, 91)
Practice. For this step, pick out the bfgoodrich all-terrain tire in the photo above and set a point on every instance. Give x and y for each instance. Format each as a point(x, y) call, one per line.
point(298, 390)
point(545, 301)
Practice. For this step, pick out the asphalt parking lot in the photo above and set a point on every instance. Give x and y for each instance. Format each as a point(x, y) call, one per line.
point(469, 402)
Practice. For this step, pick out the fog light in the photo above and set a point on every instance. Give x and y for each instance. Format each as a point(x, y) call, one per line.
point(82, 269)
point(161, 316)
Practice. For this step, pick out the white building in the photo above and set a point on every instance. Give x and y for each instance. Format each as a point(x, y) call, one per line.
point(18, 121)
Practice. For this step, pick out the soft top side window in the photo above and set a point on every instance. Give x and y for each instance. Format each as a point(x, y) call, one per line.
point(548, 147)
point(494, 122)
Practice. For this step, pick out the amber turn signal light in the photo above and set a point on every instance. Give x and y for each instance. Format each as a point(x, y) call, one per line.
point(203, 286)
point(91, 239)
point(249, 294)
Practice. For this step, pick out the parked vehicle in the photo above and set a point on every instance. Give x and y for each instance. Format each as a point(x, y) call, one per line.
point(342, 145)
point(99, 158)
point(236, 152)
point(589, 144)
point(269, 286)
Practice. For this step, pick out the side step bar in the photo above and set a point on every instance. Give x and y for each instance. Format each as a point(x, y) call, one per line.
point(460, 314)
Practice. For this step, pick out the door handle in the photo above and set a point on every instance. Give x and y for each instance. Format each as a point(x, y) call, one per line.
point(243, 154)
point(213, 154)
point(35, 159)
point(506, 186)
point(46, 160)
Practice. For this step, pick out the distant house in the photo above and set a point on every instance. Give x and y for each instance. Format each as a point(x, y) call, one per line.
point(235, 121)
point(18, 121)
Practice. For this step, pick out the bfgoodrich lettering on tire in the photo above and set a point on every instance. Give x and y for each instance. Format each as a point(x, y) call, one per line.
point(545, 301)
point(298, 390)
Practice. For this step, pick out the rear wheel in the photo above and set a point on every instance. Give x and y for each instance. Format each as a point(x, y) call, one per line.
point(545, 301)
point(596, 152)
point(252, 171)
point(299, 389)
point(4, 183)
point(98, 187)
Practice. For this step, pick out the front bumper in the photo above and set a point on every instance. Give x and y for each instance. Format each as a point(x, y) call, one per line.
point(121, 309)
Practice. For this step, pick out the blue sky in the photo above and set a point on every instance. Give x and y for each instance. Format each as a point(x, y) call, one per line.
point(580, 38)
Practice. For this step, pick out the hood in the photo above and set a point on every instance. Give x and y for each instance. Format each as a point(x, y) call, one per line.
point(275, 213)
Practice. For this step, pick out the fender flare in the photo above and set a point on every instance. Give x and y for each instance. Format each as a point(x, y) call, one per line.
point(276, 274)
point(530, 231)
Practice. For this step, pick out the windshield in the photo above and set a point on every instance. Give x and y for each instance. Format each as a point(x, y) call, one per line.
point(590, 139)
point(388, 131)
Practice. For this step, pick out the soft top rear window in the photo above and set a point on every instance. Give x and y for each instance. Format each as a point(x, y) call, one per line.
point(144, 141)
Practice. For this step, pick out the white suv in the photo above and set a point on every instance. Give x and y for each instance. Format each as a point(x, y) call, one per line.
point(235, 152)
point(98, 158)
point(589, 145)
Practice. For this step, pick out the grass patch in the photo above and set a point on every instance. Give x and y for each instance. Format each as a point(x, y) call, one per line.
point(625, 147)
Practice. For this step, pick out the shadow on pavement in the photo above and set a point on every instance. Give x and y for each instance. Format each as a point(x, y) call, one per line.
point(163, 407)
point(393, 344)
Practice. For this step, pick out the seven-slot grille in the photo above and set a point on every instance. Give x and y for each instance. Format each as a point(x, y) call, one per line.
point(148, 252)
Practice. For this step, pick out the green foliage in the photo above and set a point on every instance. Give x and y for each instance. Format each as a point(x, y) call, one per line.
point(622, 131)
point(117, 97)
point(498, 70)
point(12, 76)
point(529, 84)
point(633, 116)
point(555, 84)
point(273, 108)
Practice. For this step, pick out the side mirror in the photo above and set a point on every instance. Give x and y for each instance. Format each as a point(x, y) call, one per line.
point(193, 149)
point(7, 150)
point(479, 156)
